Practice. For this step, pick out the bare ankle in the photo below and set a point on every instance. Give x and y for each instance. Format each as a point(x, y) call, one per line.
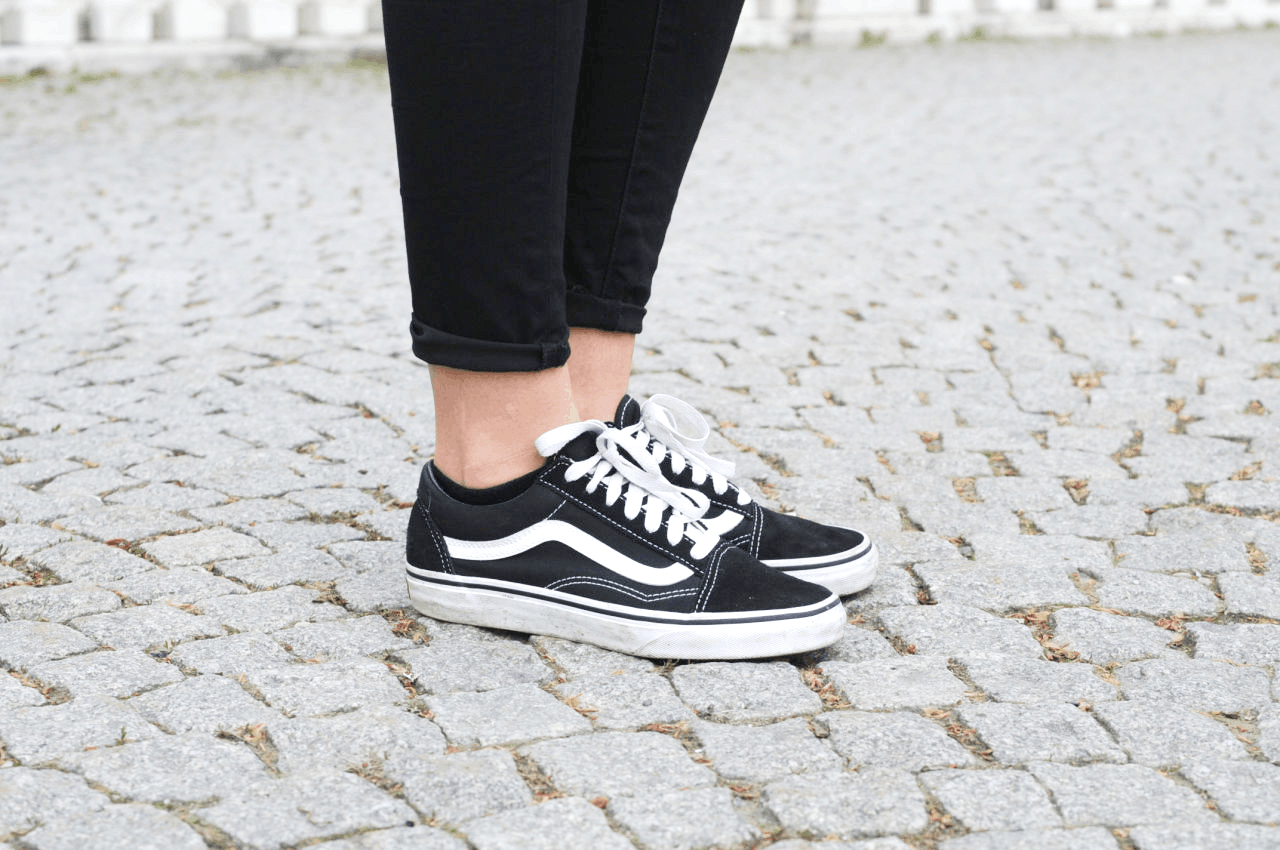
point(599, 368)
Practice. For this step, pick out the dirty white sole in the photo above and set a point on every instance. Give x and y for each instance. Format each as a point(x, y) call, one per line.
point(645, 632)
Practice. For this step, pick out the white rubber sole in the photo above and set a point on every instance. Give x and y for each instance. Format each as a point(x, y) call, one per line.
point(651, 634)
point(848, 576)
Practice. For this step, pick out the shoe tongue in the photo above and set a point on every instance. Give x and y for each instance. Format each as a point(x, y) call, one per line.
point(580, 447)
point(628, 412)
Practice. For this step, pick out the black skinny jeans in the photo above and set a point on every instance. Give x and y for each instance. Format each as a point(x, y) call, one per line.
point(541, 144)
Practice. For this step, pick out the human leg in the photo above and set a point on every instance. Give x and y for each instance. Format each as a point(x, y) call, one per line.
point(594, 544)
point(649, 70)
point(483, 93)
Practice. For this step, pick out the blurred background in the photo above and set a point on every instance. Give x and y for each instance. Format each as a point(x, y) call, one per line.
point(103, 35)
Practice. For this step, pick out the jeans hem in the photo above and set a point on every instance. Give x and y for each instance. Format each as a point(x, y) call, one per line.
point(441, 348)
point(585, 310)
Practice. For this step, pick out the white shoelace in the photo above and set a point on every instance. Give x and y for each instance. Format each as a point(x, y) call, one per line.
point(681, 432)
point(636, 478)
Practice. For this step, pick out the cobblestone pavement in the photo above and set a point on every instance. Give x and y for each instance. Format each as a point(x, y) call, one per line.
point(1013, 308)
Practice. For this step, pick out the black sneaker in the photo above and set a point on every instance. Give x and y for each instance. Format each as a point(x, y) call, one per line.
point(602, 549)
point(840, 559)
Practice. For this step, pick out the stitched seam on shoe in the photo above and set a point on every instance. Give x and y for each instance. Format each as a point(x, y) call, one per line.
point(445, 561)
point(756, 533)
point(620, 526)
point(613, 585)
point(713, 574)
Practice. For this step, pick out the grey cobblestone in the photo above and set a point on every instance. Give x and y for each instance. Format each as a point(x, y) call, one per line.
point(1172, 553)
point(612, 764)
point(1110, 794)
point(568, 822)
point(129, 825)
point(246, 513)
point(376, 590)
point(82, 560)
point(125, 522)
point(1000, 589)
point(171, 768)
point(1024, 734)
point(201, 704)
point(1084, 838)
point(1249, 495)
point(1136, 592)
point(203, 547)
point(992, 799)
point(582, 660)
point(302, 536)
point(1103, 638)
point(1242, 643)
point(1145, 493)
point(341, 638)
point(56, 604)
point(278, 812)
point(1070, 552)
point(899, 739)
point(366, 556)
point(956, 630)
point(312, 690)
point(896, 683)
point(684, 820)
point(1243, 790)
point(165, 496)
point(758, 754)
point(349, 740)
point(295, 566)
point(859, 644)
point(1269, 733)
point(43, 733)
point(18, 504)
point(24, 643)
point(868, 844)
point(18, 540)
point(1023, 494)
point(444, 667)
point(1251, 595)
point(1201, 685)
point(736, 692)
point(1163, 735)
point(626, 701)
point(232, 655)
point(1091, 521)
point(893, 587)
point(1007, 679)
point(504, 716)
point(29, 798)
point(182, 586)
point(461, 786)
point(397, 838)
point(269, 610)
point(1198, 835)
point(120, 673)
point(15, 694)
point(143, 626)
point(848, 805)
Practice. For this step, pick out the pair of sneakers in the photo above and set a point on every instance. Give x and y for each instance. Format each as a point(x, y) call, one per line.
point(631, 537)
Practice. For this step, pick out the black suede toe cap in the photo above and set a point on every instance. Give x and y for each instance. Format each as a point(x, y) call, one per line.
point(742, 584)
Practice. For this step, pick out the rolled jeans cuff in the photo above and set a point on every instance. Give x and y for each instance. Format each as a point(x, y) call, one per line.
point(481, 355)
point(584, 310)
